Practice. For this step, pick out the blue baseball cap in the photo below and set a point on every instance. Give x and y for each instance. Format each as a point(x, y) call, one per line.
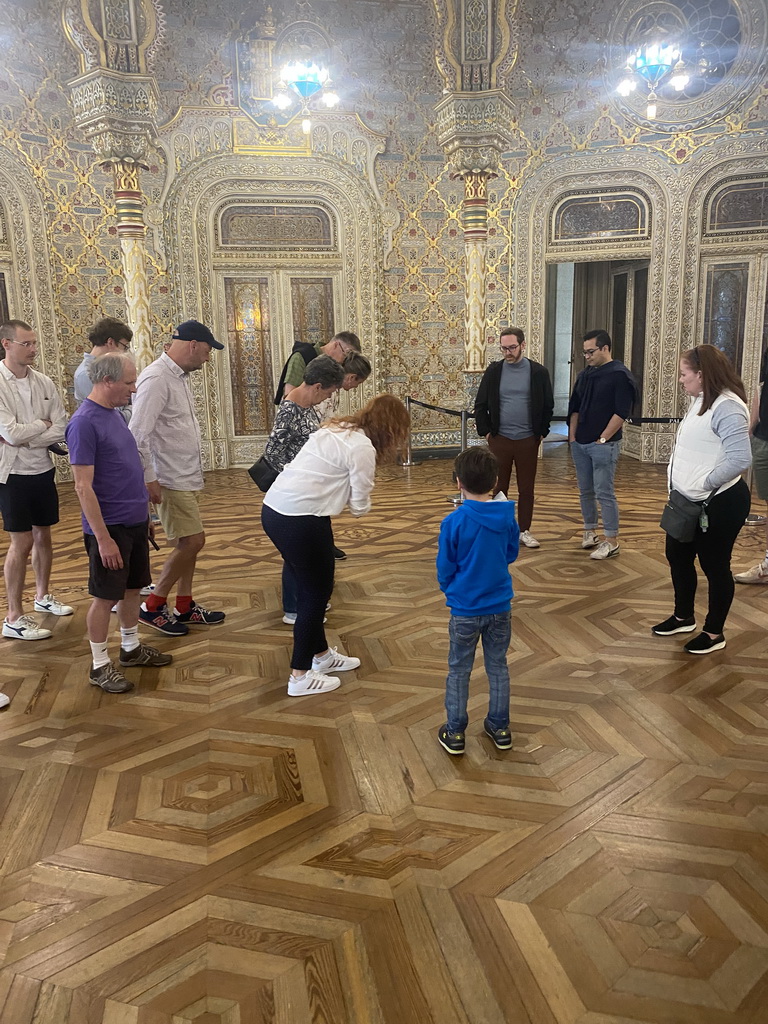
point(193, 330)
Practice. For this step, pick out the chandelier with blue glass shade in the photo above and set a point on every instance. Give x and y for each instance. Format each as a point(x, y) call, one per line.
point(308, 82)
point(653, 64)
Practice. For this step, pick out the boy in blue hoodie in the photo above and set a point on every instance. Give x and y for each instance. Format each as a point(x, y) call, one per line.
point(477, 543)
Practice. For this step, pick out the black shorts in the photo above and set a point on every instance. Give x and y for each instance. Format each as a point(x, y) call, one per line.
point(28, 501)
point(111, 584)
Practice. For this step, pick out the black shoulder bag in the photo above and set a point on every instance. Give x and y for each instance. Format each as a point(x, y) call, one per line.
point(263, 474)
point(681, 516)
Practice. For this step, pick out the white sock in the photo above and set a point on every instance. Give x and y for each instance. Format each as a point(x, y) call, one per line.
point(129, 638)
point(99, 654)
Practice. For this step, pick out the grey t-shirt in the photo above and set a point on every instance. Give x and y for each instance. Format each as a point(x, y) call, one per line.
point(515, 400)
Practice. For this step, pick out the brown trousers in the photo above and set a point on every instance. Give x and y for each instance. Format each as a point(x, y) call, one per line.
point(524, 455)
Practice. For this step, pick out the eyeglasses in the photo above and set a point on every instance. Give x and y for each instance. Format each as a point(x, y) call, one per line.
point(24, 344)
point(510, 348)
point(125, 346)
point(589, 352)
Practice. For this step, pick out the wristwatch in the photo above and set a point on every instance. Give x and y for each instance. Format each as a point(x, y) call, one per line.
point(602, 440)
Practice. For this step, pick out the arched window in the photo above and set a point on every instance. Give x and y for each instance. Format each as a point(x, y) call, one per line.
point(600, 215)
point(737, 206)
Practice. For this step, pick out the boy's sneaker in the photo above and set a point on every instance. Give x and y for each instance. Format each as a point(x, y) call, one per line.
point(162, 621)
point(25, 628)
point(703, 644)
point(502, 738)
point(338, 554)
point(199, 616)
point(334, 662)
point(5, 700)
point(527, 538)
point(50, 605)
point(144, 655)
point(605, 550)
point(453, 742)
point(109, 679)
point(757, 574)
point(674, 625)
point(312, 682)
point(589, 539)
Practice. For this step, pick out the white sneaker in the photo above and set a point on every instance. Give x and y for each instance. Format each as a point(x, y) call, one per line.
point(146, 591)
point(25, 628)
point(50, 605)
point(312, 682)
point(605, 550)
point(5, 700)
point(289, 618)
point(334, 662)
point(590, 539)
point(757, 574)
point(527, 538)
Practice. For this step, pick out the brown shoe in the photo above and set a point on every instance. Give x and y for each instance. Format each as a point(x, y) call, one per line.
point(144, 655)
point(109, 679)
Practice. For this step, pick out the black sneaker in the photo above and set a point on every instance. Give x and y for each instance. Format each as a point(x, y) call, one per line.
point(109, 679)
point(453, 742)
point(704, 644)
point(338, 554)
point(144, 655)
point(674, 625)
point(502, 738)
point(199, 616)
point(163, 621)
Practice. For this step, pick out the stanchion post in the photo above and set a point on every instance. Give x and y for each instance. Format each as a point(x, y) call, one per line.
point(408, 451)
point(464, 422)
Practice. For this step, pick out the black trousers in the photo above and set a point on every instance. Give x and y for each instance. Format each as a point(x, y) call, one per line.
point(306, 544)
point(727, 512)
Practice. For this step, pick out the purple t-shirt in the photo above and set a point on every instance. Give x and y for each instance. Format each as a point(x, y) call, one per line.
point(100, 438)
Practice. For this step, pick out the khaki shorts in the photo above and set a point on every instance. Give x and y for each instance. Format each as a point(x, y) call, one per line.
point(760, 467)
point(179, 513)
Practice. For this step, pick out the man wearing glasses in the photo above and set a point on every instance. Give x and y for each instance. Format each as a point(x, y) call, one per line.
point(513, 410)
point(303, 353)
point(602, 399)
point(32, 417)
point(108, 335)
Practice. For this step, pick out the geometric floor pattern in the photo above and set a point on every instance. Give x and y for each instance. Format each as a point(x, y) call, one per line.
point(207, 850)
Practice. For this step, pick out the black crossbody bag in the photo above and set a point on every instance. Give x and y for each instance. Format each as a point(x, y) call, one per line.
point(263, 474)
point(681, 516)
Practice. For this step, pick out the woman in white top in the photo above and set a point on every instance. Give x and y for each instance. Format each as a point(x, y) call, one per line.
point(710, 454)
point(334, 469)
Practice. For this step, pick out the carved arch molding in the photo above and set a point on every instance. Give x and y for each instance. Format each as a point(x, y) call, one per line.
point(194, 202)
point(677, 196)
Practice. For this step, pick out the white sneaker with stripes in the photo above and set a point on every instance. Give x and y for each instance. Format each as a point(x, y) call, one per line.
point(333, 661)
point(312, 682)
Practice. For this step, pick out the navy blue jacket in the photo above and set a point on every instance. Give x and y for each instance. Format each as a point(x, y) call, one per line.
point(599, 393)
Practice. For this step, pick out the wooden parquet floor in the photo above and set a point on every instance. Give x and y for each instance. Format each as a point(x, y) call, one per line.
point(207, 850)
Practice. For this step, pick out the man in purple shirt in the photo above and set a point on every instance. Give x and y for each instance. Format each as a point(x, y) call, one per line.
point(109, 480)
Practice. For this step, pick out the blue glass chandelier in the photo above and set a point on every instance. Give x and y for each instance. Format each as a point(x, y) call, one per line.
point(651, 65)
point(307, 81)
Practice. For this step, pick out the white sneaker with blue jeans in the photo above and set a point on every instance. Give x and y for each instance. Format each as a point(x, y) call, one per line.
point(595, 466)
point(464, 631)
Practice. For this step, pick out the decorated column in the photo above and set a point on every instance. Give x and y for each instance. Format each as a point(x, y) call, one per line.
point(115, 102)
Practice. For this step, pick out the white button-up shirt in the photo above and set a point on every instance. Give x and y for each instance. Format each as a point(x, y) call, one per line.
point(165, 426)
point(19, 430)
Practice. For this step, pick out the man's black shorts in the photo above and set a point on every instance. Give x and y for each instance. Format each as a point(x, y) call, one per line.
point(111, 584)
point(28, 501)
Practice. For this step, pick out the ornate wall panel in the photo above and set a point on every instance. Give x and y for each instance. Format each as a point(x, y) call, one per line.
point(192, 207)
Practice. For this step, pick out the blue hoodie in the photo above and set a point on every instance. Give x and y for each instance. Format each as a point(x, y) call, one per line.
point(477, 543)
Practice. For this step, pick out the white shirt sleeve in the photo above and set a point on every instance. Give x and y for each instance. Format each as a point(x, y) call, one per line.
point(362, 471)
point(148, 403)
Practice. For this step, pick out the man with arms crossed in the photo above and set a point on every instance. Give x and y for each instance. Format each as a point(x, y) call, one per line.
point(109, 480)
point(31, 418)
point(602, 399)
point(513, 410)
point(168, 435)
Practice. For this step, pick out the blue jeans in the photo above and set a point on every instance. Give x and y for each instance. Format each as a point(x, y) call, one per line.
point(464, 631)
point(595, 466)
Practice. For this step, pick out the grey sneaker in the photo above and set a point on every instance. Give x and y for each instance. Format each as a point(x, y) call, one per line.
point(589, 539)
point(527, 538)
point(144, 655)
point(605, 550)
point(109, 679)
point(757, 574)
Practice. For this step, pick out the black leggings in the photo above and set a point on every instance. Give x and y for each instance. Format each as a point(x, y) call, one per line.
point(727, 512)
point(306, 544)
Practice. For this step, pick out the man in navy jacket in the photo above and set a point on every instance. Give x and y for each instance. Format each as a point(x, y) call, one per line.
point(513, 410)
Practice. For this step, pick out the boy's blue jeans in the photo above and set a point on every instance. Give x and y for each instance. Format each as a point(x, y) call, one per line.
point(464, 631)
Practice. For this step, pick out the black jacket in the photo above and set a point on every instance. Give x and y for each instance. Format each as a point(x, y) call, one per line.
point(487, 403)
point(308, 353)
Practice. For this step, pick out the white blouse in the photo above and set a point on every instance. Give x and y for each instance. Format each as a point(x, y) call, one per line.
point(335, 468)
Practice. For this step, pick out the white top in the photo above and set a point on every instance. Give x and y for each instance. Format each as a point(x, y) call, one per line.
point(335, 467)
point(21, 421)
point(165, 426)
point(712, 450)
